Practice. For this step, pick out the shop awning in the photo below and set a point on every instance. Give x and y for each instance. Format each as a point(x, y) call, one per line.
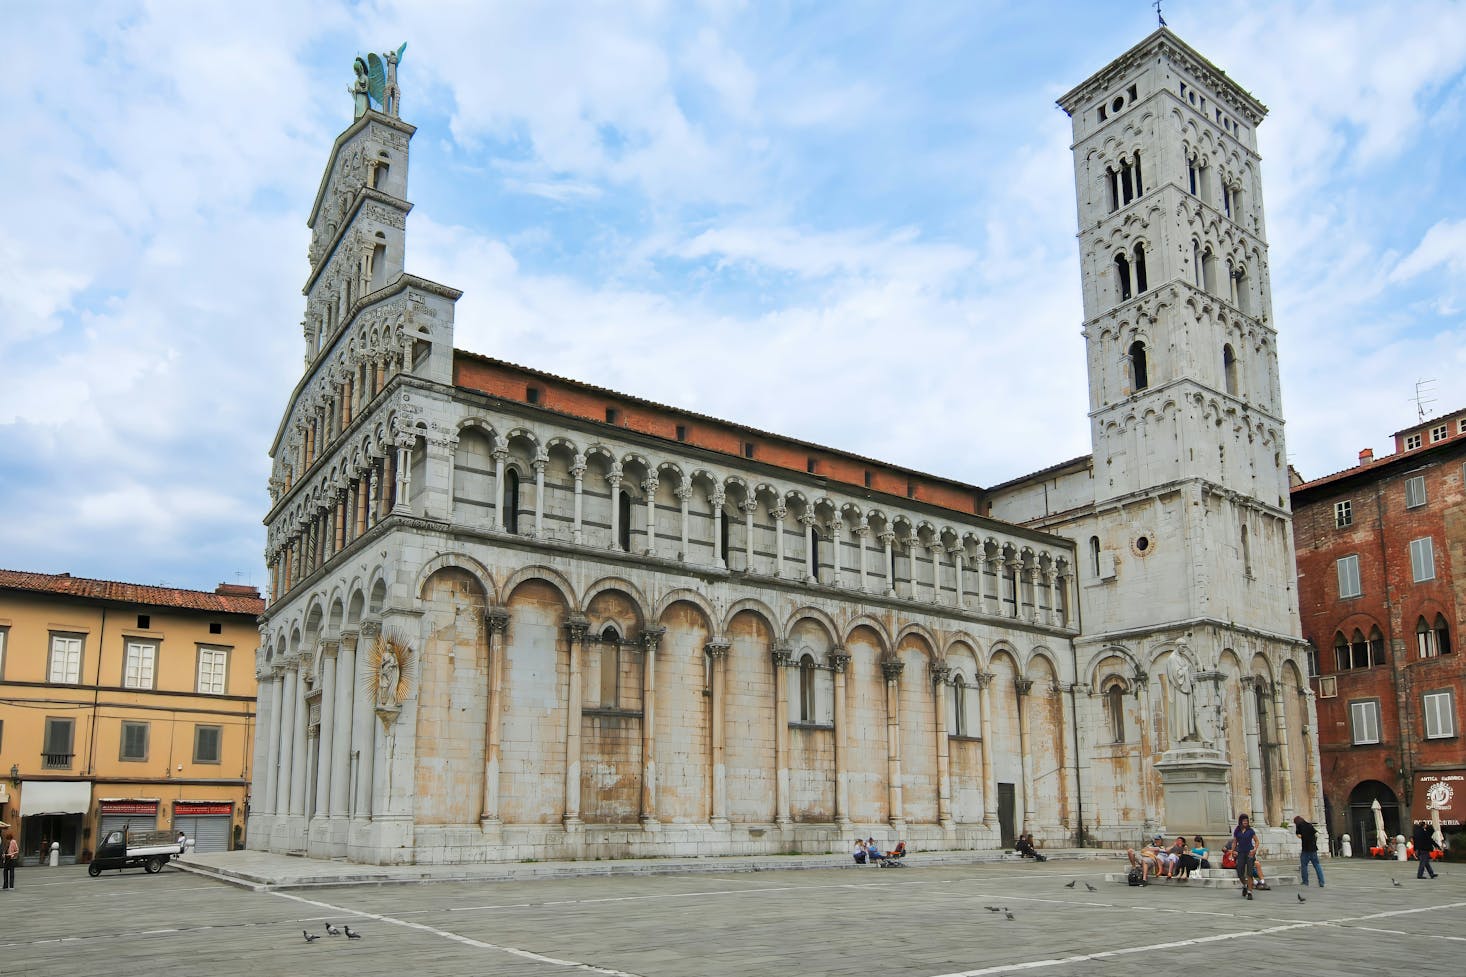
point(54, 797)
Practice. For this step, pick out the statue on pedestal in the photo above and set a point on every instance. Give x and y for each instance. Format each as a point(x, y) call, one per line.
point(1183, 696)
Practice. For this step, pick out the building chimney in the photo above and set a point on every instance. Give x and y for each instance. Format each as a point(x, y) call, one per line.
point(1366, 457)
point(236, 590)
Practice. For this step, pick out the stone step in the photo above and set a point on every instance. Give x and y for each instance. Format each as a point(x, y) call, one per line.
point(1209, 879)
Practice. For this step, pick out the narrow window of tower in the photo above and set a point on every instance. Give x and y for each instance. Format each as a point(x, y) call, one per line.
point(1139, 368)
point(1140, 280)
point(1229, 369)
point(1127, 186)
point(1112, 180)
point(1122, 275)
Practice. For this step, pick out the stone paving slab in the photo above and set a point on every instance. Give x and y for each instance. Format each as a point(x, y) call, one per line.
point(927, 921)
point(269, 870)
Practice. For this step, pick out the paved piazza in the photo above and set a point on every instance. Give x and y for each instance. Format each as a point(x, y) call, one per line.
point(920, 921)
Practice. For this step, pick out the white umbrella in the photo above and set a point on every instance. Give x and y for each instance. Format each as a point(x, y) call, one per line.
point(1379, 825)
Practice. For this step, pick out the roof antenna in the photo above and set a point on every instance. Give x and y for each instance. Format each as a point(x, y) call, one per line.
point(1423, 400)
point(1159, 19)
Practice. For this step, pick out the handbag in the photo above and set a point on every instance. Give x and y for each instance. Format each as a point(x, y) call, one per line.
point(1229, 859)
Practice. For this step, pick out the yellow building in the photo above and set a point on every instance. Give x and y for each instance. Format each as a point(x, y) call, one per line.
point(124, 704)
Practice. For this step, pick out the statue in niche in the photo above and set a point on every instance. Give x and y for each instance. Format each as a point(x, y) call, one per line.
point(1183, 696)
point(387, 678)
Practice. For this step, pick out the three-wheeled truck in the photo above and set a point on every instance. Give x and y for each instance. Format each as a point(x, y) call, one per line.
point(126, 848)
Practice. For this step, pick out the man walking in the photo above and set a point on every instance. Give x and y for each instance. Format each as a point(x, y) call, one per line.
point(1245, 840)
point(1308, 834)
point(1424, 845)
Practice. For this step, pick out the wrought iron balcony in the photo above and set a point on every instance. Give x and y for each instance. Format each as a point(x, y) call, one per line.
point(56, 761)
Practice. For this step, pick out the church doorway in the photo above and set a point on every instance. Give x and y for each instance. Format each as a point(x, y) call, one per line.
point(1006, 820)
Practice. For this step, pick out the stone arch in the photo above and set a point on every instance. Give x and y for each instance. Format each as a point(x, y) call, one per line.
point(616, 583)
point(923, 634)
point(688, 596)
point(546, 574)
point(758, 608)
point(452, 700)
point(824, 620)
point(874, 624)
point(462, 561)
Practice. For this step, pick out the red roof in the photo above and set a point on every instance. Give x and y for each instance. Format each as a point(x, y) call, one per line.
point(228, 599)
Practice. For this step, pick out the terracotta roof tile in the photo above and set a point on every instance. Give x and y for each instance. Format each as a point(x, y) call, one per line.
point(232, 601)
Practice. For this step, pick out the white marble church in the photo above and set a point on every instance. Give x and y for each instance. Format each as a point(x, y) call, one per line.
point(517, 616)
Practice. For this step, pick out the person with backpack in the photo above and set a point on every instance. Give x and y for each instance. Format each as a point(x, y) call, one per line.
point(1308, 834)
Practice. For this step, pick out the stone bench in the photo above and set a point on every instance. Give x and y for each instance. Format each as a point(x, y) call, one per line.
point(1210, 878)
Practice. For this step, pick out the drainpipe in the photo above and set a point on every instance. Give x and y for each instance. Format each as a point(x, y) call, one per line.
point(96, 697)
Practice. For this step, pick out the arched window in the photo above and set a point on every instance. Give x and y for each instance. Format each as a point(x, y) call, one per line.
point(1139, 369)
point(806, 689)
point(1342, 660)
point(1425, 640)
point(1139, 183)
point(1376, 646)
point(623, 526)
point(1112, 180)
point(511, 500)
point(610, 668)
point(1229, 369)
point(814, 552)
point(1115, 712)
point(1122, 276)
point(1140, 281)
point(1239, 289)
point(723, 533)
point(1442, 635)
point(1127, 181)
point(1360, 649)
point(1196, 262)
point(1094, 555)
point(1209, 271)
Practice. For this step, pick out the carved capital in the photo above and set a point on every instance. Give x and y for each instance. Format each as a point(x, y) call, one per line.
point(782, 656)
point(577, 627)
point(941, 672)
point(649, 485)
point(839, 659)
point(779, 512)
point(651, 638)
point(983, 679)
point(716, 649)
point(371, 630)
point(1023, 686)
point(496, 620)
point(892, 668)
point(329, 648)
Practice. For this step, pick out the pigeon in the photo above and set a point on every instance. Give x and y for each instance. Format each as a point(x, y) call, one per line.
point(1008, 914)
point(332, 931)
point(993, 909)
point(1090, 887)
point(1300, 898)
point(1395, 884)
point(1070, 885)
point(352, 934)
point(311, 937)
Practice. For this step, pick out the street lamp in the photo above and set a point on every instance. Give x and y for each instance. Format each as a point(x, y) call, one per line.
point(15, 775)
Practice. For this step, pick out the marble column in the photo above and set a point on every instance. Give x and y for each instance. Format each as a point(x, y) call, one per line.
point(781, 656)
point(324, 770)
point(1023, 687)
point(913, 547)
point(717, 652)
point(989, 777)
point(888, 538)
point(779, 512)
point(862, 535)
point(839, 664)
point(958, 555)
point(996, 604)
point(575, 629)
point(651, 638)
point(941, 678)
point(835, 572)
point(286, 763)
point(496, 625)
point(811, 561)
point(749, 507)
point(613, 479)
point(364, 724)
point(684, 498)
point(577, 471)
point(716, 502)
point(340, 799)
point(1252, 690)
point(402, 502)
point(540, 461)
point(891, 668)
point(500, 456)
point(270, 804)
point(298, 744)
point(1285, 765)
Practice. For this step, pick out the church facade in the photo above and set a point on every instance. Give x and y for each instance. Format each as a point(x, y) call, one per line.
point(516, 616)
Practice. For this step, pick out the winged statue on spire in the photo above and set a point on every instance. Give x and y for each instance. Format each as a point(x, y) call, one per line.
point(376, 82)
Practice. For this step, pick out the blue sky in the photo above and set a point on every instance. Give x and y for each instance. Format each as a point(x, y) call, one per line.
point(853, 223)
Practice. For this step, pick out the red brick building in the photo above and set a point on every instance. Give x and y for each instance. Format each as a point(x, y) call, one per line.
point(1382, 586)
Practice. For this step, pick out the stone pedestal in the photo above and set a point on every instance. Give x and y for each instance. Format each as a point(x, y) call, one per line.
point(1194, 783)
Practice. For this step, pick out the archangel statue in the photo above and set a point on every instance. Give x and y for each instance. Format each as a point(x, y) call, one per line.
point(376, 83)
